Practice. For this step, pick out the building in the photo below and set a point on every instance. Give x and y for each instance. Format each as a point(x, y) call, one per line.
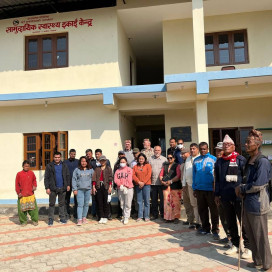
point(80, 75)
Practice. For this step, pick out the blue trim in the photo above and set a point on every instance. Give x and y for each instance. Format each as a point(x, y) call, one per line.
point(45, 201)
point(202, 79)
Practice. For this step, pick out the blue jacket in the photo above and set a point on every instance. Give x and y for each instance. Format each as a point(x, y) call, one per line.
point(82, 179)
point(255, 188)
point(223, 188)
point(203, 168)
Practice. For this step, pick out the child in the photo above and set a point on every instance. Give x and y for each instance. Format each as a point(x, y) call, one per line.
point(25, 185)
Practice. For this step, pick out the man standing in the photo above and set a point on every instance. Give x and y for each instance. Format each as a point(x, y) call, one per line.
point(156, 161)
point(256, 201)
point(98, 154)
point(178, 152)
point(203, 168)
point(228, 175)
point(128, 151)
point(148, 150)
point(189, 201)
point(72, 164)
point(56, 182)
point(90, 159)
point(136, 152)
point(173, 145)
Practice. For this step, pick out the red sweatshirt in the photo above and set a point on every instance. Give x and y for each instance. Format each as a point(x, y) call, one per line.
point(24, 183)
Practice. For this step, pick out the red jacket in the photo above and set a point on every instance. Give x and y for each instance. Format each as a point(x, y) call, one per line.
point(24, 183)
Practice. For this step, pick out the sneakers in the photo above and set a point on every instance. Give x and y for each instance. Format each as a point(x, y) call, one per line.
point(192, 226)
point(147, 219)
point(50, 222)
point(253, 265)
point(139, 220)
point(84, 220)
point(63, 221)
point(202, 232)
point(125, 221)
point(103, 221)
point(231, 251)
point(79, 222)
point(216, 236)
point(35, 223)
point(247, 254)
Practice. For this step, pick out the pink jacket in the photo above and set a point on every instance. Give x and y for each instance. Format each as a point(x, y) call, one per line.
point(123, 176)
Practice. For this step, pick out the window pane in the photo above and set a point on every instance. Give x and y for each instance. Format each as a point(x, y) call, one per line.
point(209, 57)
point(61, 43)
point(32, 46)
point(31, 143)
point(61, 58)
point(239, 55)
point(47, 44)
point(208, 42)
point(47, 141)
point(47, 59)
point(63, 154)
point(223, 41)
point(32, 61)
point(239, 39)
point(47, 157)
point(32, 159)
point(223, 56)
point(62, 141)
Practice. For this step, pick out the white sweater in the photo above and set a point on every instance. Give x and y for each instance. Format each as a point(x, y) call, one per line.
point(188, 171)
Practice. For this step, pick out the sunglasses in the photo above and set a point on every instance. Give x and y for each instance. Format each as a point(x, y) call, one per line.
point(169, 158)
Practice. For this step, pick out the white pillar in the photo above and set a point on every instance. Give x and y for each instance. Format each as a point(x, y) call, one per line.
point(202, 121)
point(199, 36)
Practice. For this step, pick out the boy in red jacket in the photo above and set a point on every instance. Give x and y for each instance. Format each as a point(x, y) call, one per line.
point(25, 185)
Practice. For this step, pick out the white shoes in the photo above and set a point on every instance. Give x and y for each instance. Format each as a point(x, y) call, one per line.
point(103, 221)
point(231, 251)
point(247, 254)
point(125, 221)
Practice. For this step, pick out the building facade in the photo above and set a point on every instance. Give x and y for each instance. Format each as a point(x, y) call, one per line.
point(91, 78)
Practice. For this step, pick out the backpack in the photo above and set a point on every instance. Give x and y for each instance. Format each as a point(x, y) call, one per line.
point(256, 163)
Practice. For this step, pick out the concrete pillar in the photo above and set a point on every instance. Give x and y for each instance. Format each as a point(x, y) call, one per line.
point(199, 35)
point(202, 121)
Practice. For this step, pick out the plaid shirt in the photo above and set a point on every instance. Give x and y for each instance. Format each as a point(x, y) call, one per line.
point(156, 164)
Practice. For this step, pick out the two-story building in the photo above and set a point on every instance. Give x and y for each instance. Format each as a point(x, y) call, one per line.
point(90, 74)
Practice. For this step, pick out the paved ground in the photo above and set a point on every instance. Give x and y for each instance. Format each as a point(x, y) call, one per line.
point(153, 246)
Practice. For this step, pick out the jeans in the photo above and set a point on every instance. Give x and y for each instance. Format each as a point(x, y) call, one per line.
point(52, 201)
point(143, 198)
point(83, 199)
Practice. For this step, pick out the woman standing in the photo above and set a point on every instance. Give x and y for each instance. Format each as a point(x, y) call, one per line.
point(142, 178)
point(102, 186)
point(25, 185)
point(123, 180)
point(170, 178)
point(82, 185)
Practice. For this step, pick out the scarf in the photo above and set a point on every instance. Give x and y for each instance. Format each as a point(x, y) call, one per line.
point(232, 174)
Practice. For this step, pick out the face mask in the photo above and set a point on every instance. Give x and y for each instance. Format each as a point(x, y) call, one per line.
point(98, 164)
point(180, 146)
point(123, 164)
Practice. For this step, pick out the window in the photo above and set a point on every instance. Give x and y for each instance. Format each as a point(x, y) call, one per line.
point(46, 51)
point(226, 48)
point(40, 147)
point(238, 135)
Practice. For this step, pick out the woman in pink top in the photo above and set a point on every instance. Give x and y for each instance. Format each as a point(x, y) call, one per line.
point(123, 180)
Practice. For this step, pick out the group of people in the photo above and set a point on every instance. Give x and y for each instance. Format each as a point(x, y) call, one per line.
point(220, 187)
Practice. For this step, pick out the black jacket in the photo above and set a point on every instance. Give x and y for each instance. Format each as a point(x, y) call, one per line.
point(224, 189)
point(50, 177)
point(170, 175)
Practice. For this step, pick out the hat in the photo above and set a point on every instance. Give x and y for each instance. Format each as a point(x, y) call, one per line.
point(121, 152)
point(136, 150)
point(227, 139)
point(102, 158)
point(185, 150)
point(219, 145)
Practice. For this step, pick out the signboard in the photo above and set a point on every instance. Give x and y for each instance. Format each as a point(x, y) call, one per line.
point(183, 133)
point(45, 23)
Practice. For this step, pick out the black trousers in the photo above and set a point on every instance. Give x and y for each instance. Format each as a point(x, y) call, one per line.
point(67, 203)
point(223, 218)
point(232, 212)
point(102, 202)
point(205, 202)
point(75, 207)
point(52, 201)
point(156, 194)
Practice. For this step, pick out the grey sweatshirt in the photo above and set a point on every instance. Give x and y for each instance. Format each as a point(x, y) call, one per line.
point(82, 179)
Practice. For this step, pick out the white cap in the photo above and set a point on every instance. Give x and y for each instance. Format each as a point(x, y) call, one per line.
point(227, 139)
